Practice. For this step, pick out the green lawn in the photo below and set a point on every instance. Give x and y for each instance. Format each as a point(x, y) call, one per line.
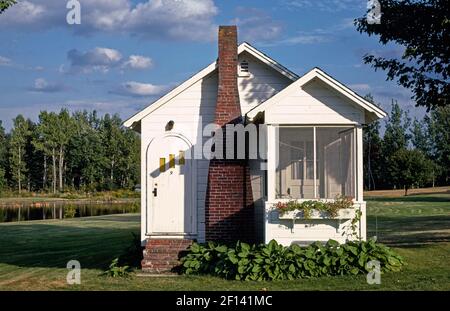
point(33, 254)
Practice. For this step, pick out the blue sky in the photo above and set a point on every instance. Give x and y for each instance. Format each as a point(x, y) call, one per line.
point(127, 53)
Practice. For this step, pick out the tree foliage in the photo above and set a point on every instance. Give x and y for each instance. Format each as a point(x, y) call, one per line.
point(422, 28)
point(410, 167)
point(18, 142)
point(74, 151)
point(3, 156)
point(385, 154)
point(4, 4)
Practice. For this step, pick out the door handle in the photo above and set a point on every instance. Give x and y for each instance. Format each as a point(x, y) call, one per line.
point(155, 192)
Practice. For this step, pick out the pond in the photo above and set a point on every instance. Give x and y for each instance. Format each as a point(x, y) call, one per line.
point(23, 211)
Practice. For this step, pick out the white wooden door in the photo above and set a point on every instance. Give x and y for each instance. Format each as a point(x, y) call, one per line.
point(299, 171)
point(169, 189)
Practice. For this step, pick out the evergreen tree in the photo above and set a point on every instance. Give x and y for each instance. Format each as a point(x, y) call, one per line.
point(396, 137)
point(438, 128)
point(419, 137)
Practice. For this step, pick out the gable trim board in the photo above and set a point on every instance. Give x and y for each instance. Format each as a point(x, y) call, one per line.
point(243, 47)
point(374, 111)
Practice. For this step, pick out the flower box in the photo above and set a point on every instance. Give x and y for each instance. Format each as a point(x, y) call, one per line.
point(346, 213)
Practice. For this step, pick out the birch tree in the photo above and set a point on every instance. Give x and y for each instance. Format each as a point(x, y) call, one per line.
point(18, 143)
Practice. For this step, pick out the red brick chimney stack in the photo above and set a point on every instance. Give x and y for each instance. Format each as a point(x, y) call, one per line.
point(228, 109)
point(229, 204)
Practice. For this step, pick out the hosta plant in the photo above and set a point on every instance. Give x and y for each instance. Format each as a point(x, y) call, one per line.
point(276, 262)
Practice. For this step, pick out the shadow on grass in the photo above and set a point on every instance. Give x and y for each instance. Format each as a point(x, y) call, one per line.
point(53, 245)
point(409, 231)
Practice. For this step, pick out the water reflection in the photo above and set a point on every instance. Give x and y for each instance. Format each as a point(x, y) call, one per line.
point(60, 210)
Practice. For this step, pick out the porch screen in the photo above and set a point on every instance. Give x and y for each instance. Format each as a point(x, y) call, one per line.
point(303, 173)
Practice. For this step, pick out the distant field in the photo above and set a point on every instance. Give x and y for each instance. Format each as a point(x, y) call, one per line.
point(401, 192)
point(33, 255)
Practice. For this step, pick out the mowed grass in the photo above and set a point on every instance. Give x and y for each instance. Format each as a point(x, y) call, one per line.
point(33, 255)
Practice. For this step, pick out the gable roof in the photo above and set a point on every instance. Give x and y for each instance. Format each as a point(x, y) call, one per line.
point(133, 122)
point(374, 112)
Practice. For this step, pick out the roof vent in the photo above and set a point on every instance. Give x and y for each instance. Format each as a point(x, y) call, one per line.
point(243, 69)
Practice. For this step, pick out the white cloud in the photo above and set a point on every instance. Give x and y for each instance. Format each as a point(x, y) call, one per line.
point(325, 5)
point(101, 59)
point(316, 36)
point(256, 25)
point(4, 61)
point(305, 39)
point(138, 62)
point(155, 19)
point(360, 87)
point(137, 89)
point(98, 59)
point(43, 86)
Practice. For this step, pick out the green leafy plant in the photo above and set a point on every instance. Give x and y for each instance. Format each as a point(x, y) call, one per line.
point(331, 208)
point(115, 270)
point(276, 262)
point(353, 226)
point(70, 211)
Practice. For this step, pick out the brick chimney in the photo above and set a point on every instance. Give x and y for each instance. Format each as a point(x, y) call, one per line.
point(229, 203)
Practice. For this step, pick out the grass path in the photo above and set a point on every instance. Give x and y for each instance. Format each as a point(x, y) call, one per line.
point(33, 255)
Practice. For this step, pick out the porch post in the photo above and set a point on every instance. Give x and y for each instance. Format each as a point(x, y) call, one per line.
point(272, 151)
point(359, 164)
point(359, 182)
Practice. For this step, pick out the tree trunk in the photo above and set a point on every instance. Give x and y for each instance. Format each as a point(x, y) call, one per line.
point(54, 169)
point(112, 172)
point(19, 175)
point(406, 191)
point(61, 167)
point(44, 177)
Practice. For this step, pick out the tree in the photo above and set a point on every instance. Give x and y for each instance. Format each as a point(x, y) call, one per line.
point(422, 28)
point(18, 143)
point(4, 4)
point(372, 152)
point(111, 133)
point(419, 138)
point(86, 152)
point(410, 167)
point(396, 136)
point(438, 130)
point(129, 161)
point(3, 156)
point(46, 142)
point(63, 133)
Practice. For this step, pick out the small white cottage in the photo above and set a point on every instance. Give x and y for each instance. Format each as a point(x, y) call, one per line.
point(292, 138)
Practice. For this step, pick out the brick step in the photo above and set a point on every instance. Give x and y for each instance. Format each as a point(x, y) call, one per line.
point(162, 255)
point(173, 252)
point(175, 245)
point(160, 258)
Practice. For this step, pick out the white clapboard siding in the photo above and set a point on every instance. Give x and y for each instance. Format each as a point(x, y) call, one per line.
point(314, 103)
point(262, 83)
point(190, 111)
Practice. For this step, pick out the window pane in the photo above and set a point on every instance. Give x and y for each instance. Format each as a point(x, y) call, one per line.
point(335, 156)
point(295, 171)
